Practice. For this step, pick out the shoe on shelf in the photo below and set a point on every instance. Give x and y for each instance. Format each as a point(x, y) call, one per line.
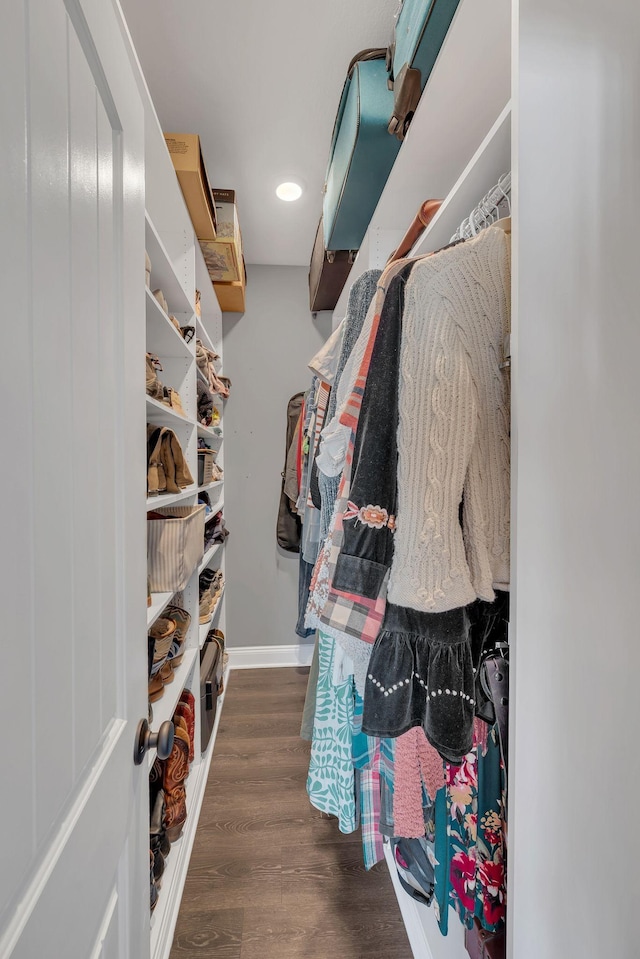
point(153, 889)
point(157, 837)
point(161, 633)
point(147, 268)
point(155, 389)
point(187, 709)
point(159, 295)
point(206, 607)
point(182, 619)
point(176, 770)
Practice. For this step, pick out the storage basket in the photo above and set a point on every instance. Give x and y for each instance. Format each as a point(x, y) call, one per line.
point(174, 546)
point(206, 459)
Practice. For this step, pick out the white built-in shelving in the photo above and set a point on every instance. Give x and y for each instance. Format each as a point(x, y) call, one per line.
point(164, 415)
point(165, 916)
point(159, 602)
point(209, 556)
point(170, 499)
point(177, 268)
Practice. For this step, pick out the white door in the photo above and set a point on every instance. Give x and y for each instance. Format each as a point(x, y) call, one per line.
point(74, 880)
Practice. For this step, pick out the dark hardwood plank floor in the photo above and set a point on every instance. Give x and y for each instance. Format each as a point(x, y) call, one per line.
point(271, 877)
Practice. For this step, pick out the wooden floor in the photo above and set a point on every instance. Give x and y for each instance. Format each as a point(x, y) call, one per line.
point(270, 876)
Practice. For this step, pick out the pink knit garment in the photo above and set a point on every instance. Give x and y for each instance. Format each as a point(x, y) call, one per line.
point(415, 762)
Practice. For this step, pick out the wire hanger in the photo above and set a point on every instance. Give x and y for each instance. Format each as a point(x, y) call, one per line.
point(487, 211)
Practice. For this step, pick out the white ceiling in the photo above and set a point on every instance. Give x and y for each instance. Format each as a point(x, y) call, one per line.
point(259, 81)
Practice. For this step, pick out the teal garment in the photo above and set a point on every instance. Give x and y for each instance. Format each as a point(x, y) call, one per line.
point(331, 780)
point(470, 842)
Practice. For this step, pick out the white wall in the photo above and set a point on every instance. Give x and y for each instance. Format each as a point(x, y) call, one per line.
point(574, 839)
point(266, 352)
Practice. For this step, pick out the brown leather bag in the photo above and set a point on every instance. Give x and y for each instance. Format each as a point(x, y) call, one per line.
point(481, 944)
point(288, 525)
point(328, 274)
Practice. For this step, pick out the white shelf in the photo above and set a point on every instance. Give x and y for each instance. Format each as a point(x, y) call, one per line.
point(208, 299)
point(168, 499)
point(209, 555)
point(165, 915)
point(163, 274)
point(205, 627)
point(205, 382)
point(203, 335)
point(467, 90)
point(159, 602)
point(423, 932)
point(162, 336)
point(217, 483)
point(207, 433)
point(165, 707)
point(162, 415)
point(491, 160)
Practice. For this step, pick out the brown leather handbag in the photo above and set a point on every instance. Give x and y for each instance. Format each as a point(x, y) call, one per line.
point(288, 526)
point(481, 944)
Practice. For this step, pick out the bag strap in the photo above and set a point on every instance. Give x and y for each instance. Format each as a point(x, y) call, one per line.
point(495, 681)
point(371, 53)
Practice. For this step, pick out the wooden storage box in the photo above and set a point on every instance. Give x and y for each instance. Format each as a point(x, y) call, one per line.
point(231, 296)
point(223, 256)
point(185, 152)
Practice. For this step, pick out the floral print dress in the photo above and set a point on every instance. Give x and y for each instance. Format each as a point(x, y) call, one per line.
point(470, 843)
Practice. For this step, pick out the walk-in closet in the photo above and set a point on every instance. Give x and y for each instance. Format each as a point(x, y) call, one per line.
point(322, 645)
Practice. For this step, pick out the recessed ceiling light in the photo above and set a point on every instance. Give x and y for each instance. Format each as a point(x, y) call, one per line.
point(289, 191)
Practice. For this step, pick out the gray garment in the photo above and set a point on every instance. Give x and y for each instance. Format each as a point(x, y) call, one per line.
point(360, 297)
point(309, 711)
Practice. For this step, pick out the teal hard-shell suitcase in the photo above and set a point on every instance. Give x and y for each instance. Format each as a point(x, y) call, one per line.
point(362, 152)
point(420, 31)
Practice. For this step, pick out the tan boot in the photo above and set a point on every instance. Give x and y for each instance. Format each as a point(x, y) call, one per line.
point(168, 462)
point(183, 473)
point(156, 477)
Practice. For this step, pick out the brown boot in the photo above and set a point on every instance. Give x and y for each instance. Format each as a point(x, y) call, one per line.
point(168, 462)
point(156, 479)
point(176, 770)
point(186, 711)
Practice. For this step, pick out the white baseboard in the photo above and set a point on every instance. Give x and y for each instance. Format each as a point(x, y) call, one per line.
point(260, 657)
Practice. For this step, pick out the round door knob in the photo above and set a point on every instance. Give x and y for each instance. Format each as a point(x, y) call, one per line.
point(162, 741)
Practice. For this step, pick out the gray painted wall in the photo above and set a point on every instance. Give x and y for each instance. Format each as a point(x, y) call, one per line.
point(266, 352)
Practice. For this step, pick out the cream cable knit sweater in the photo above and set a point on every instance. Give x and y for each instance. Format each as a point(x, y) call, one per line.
point(453, 433)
